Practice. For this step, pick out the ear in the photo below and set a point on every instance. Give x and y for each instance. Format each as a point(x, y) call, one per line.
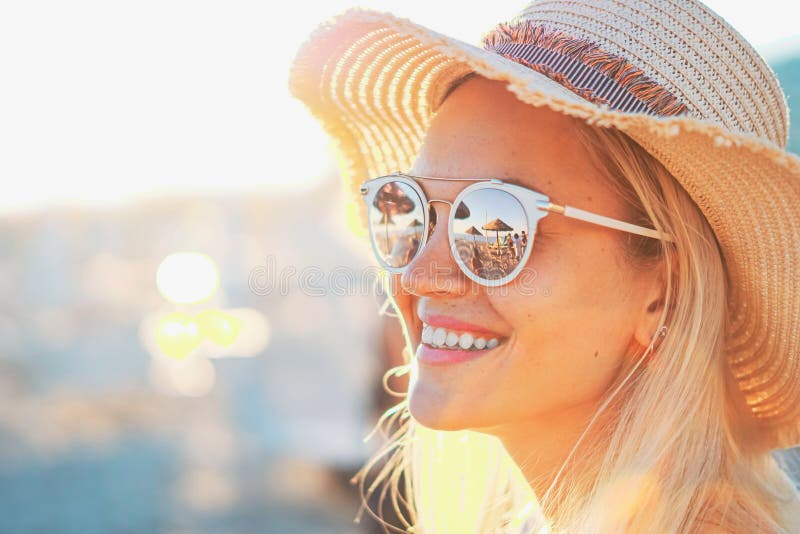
point(654, 290)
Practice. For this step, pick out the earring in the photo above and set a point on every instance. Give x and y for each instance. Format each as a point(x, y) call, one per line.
point(660, 334)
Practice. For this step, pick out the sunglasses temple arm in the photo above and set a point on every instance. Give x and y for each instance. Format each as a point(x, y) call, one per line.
point(601, 220)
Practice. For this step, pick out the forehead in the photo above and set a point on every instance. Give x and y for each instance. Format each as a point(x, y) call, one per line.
point(483, 130)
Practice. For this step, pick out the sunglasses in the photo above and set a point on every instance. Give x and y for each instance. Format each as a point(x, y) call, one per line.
point(491, 227)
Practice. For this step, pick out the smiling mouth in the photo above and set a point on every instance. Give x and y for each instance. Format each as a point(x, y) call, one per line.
point(444, 338)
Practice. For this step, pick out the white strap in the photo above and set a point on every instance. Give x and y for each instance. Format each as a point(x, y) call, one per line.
point(588, 216)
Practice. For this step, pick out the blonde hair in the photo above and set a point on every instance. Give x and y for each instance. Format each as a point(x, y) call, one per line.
point(673, 447)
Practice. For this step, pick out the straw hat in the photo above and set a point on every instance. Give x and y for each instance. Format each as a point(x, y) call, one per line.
point(671, 74)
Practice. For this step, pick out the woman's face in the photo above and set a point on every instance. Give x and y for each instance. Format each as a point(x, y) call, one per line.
point(566, 329)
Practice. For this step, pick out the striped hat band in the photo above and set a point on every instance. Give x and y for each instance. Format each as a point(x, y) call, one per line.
point(584, 68)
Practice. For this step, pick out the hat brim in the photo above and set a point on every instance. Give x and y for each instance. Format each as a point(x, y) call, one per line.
point(374, 80)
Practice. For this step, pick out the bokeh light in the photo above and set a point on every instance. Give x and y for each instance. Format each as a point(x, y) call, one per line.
point(253, 334)
point(187, 277)
point(220, 327)
point(177, 335)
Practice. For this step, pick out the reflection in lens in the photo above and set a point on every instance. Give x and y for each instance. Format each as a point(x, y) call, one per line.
point(395, 222)
point(490, 238)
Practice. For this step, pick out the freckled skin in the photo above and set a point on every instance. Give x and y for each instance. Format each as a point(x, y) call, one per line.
point(567, 341)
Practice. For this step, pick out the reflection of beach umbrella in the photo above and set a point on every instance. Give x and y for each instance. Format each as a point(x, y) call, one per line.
point(473, 232)
point(392, 199)
point(415, 224)
point(498, 226)
point(462, 211)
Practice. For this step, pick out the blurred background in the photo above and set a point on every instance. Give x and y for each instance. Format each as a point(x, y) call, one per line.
point(173, 357)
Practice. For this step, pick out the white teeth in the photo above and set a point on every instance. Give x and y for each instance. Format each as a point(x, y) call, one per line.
point(427, 334)
point(452, 339)
point(441, 337)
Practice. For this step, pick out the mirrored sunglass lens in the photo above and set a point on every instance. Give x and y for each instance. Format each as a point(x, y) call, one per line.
point(396, 223)
point(488, 230)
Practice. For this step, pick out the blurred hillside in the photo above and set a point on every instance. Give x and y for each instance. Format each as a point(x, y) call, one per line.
point(90, 439)
point(788, 71)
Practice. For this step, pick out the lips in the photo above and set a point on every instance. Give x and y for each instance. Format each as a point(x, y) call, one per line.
point(447, 340)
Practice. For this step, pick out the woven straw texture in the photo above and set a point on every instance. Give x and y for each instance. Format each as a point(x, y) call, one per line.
point(374, 81)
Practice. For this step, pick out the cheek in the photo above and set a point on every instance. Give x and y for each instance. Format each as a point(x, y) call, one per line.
point(572, 327)
point(575, 277)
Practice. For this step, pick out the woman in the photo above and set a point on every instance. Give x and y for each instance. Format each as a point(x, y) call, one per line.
point(633, 372)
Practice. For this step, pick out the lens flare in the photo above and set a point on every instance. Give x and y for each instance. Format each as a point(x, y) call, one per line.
point(457, 467)
point(177, 335)
point(187, 277)
point(219, 327)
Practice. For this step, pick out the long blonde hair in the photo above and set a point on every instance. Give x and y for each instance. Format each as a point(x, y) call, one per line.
point(673, 446)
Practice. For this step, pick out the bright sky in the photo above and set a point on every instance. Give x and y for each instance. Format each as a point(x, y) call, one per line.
point(103, 100)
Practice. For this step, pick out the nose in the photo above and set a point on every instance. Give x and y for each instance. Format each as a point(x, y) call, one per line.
point(434, 271)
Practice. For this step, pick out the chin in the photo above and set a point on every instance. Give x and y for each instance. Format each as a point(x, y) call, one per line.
point(435, 415)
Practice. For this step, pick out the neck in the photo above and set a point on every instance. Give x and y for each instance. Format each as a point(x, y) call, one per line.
point(540, 445)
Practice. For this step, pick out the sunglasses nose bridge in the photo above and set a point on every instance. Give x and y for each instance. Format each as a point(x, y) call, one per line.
point(429, 206)
point(433, 267)
point(435, 216)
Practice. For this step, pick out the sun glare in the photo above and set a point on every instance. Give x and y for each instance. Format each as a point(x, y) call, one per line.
point(187, 277)
point(206, 102)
